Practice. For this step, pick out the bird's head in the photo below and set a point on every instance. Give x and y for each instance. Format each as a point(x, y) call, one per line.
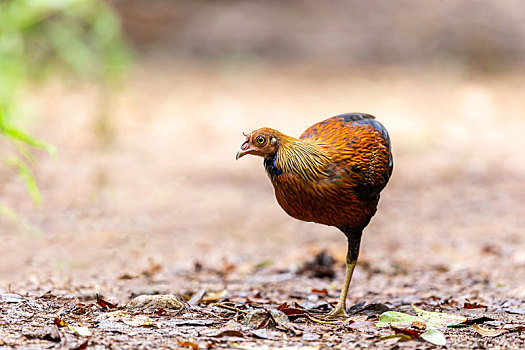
point(261, 142)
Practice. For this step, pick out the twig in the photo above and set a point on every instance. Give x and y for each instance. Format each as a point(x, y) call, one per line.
point(233, 308)
point(316, 320)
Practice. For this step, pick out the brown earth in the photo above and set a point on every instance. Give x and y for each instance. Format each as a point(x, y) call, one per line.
point(154, 202)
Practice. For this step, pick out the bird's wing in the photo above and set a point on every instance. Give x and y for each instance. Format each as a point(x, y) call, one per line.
point(359, 147)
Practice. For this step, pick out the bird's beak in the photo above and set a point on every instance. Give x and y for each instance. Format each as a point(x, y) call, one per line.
point(245, 149)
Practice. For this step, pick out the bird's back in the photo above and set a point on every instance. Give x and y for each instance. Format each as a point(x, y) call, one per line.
point(360, 166)
point(359, 145)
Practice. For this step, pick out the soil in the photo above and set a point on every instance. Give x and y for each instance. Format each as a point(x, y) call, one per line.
point(145, 198)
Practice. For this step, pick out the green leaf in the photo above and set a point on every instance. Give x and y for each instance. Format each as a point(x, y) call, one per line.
point(438, 319)
point(431, 319)
point(8, 213)
point(396, 319)
point(435, 337)
point(25, 173)
point(402, 337)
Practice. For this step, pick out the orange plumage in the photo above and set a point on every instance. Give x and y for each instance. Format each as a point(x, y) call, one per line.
point(332, 175)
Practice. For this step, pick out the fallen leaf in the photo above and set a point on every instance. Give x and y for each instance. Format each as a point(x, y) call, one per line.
point(419, 325)
point(396, 319)
point(515, 311)
point(10, 298)
point(292, 312)
point(268, 320)
point(261, 318)
point(357, 318)
point(411, 333)
point(59, 322)
point(264, 263)
point(197, 297)
point(81, 309)
point(357, 308)
point(488, 332)
point(320, 291)
point(471, 321)
point(267, 334)
point(188, 344)
point(401, 337)
point(514, 328)
point(140, 321)
point(82, 331)
point(470, 306)
point(209, 297)
point(112, 316)
point(52, 333)
point(229, 333)
point(435, 337)
point(375, 308)
point(360, 324)
point(438, 319)
point(161, 312)
point(105, 303)
point(82, 346)
point(194, 322)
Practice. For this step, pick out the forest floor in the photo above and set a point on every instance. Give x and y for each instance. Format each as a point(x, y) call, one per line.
point(150, 201)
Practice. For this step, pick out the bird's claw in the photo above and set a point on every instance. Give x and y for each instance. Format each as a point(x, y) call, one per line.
point(340, 310)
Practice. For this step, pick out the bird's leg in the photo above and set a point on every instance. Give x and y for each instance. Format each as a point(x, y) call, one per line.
point(340, 309)
point(354, 241)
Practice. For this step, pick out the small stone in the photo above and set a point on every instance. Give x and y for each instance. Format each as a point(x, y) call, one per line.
point(152, 302)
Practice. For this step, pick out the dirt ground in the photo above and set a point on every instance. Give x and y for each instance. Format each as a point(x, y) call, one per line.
point(155, 203)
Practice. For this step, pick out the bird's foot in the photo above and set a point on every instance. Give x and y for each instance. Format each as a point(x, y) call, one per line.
point(340, 310)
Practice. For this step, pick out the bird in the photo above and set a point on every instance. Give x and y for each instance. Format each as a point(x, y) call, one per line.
point(332, 174)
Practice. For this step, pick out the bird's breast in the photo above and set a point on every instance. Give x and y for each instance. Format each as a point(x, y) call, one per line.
point(330, 203)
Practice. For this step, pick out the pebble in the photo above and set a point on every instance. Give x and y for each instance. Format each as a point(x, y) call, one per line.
point(11, 298)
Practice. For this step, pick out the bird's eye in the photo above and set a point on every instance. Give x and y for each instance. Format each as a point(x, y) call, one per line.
point(260, 140)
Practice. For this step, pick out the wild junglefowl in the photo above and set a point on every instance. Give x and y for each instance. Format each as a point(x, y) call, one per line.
point(332, 175)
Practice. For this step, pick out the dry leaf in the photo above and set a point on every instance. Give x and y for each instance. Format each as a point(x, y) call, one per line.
point(82, 346)
point(292, 312)
point(59, 322)
point(214, 296)
point(438, 319)
point(105, 303)
point(267, 334)
point(470, 306)
point(411, 333)
point(320, 291)
point(488, 332)
point(112, 316)
point(188, 344)
point(419, 325)
point(361, 324)
point(197, 297)
point(139, 321)
point(82, 331)
point(229, 333)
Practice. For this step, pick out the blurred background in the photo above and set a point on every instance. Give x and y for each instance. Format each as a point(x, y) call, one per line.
point(120, 121)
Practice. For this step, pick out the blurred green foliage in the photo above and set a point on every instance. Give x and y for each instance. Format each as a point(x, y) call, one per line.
point(44, 38)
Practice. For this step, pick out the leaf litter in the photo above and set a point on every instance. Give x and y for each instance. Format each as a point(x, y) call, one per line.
point(233, 316)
